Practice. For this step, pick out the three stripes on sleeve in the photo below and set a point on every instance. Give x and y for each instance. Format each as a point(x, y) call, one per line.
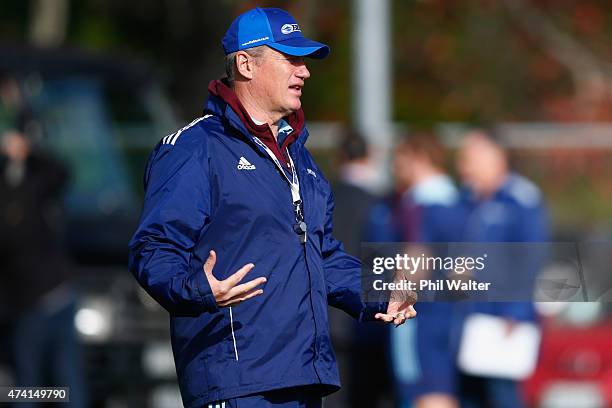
point(173, 137)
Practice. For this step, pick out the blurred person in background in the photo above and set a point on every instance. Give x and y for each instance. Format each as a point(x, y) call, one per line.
point(239, 181)
point(501, 206)
point(423, 362)
point(352, 191)
point(390, 219)
point(364, 345)
point(36, 284)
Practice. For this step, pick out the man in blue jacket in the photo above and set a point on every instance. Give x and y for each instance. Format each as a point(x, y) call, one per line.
point(236, 190)
point(422, 356)
point(501, 206)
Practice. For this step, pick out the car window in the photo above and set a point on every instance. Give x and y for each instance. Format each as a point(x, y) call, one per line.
point(104, 132)
point(139, 119)
point(78, 130)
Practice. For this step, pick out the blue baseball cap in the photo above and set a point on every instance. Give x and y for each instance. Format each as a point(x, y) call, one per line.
point(273, 27)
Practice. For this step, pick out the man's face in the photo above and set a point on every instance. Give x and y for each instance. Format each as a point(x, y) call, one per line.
point(278, 81)
point(14, 145)
point(481, 164)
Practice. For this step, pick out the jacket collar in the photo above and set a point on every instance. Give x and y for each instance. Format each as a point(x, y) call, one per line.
point(224, 102)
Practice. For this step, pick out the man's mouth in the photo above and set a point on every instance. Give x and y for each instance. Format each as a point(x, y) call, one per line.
point(296, 88)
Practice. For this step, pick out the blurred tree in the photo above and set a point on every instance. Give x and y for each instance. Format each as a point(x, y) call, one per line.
point(453, 60)
point(502, 60)
point(591, 75)
point(182, 38)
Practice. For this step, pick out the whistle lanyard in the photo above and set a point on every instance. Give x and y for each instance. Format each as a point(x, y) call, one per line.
point(294, 184)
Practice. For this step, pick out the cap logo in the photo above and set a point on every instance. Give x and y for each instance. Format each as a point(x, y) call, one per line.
point(290, 28)
point(254, 41)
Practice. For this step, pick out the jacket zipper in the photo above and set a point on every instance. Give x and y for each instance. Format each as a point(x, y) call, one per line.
point(310, 280)
point(303, 244)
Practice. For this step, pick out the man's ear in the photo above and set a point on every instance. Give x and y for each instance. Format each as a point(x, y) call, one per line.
point(245, 64)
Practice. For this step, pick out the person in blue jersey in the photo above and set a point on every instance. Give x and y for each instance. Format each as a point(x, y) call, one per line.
point(236, 192)
point(423, 361)
point(501, 206)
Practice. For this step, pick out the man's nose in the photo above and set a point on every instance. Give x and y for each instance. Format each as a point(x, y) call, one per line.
point(302, 72)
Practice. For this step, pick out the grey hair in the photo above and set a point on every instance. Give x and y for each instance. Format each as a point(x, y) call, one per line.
point(230, 61)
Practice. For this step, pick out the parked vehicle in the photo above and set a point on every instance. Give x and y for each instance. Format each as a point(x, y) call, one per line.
point(575, 365)
point(101, 116)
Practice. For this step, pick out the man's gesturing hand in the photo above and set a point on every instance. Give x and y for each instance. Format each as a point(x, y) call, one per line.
point(401, 306)
point(227, 292)
point(397, 313)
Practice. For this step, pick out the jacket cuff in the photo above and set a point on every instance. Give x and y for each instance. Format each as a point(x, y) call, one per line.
point(370, 310)
point(206, 297)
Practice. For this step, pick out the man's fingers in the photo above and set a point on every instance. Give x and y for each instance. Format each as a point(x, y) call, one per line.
point(406, 308)
point(240, 299)
point(398, 317)
point(228, 289)
point(234, 279)
point(411, 312)
point(387, 318)
point(240, 290)
point(210, 263)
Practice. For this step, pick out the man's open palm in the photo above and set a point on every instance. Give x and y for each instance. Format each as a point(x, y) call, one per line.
point(228, 292)
point(397, 312)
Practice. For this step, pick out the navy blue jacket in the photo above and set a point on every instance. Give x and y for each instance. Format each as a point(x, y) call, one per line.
point(198, 198)
point(515, 213)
